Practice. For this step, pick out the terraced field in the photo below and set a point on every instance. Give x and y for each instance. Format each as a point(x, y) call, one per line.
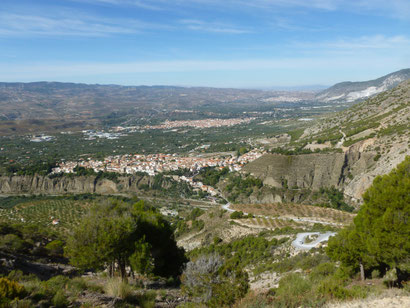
point(269, 223)
point(44, 212)
point(302, 213)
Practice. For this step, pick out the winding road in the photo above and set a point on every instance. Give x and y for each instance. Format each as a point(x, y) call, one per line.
point(299, 242)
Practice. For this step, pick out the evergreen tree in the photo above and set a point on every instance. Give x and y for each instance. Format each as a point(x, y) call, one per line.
point(380, 234)
point(117, 235)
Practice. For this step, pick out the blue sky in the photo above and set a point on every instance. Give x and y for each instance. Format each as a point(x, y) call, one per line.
point(225, 43)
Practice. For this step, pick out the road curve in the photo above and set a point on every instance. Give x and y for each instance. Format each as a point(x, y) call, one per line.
point(299, 242)
point(227, 207)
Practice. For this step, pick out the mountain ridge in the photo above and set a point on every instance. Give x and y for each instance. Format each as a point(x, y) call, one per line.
point(349, 91)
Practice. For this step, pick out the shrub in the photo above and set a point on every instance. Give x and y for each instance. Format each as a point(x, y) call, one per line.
point(375, 274)
point(118, 288)
point(56, 283)
point(55, 248)
point(59, 299)
point(236, 215)
point(12, 242)
point(323, 270)
point(16, 275)
point(77, 285)
point(212, 281)
point(332, 287)
point(147, 299)
point(10, 290)
point(253, 300)
point(294, 291)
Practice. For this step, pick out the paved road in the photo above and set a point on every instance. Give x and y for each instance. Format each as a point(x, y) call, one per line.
point(227, 207)
point(299, 243)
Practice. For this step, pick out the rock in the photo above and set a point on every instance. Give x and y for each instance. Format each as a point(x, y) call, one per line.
point(15, 185)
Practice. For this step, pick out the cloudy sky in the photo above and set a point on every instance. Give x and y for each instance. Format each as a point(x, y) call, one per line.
point(222, 43)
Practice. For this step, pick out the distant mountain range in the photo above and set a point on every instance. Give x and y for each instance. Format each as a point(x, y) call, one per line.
point(353, 91)
point(45, 106)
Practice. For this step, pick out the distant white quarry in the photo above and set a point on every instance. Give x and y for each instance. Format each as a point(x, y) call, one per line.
point(365, 93)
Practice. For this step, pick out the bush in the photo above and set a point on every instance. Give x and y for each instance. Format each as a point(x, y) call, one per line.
point(13, 243)
point(118, 288)
point(57, 283)
point(77, 285)
point(147, 299)
point(294, 291)
point(10, 290)
point(323, 270)
point(332, 287)
point(211, 281)
point(55, 248)
point(236, 215)
point(253, 300)
point(375, 274)
point(59, 299)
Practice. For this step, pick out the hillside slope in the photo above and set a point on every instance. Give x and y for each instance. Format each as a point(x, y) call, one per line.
point(372, 136)
point(352, 91)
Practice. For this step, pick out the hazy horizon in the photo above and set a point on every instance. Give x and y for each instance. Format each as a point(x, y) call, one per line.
point(232, 44)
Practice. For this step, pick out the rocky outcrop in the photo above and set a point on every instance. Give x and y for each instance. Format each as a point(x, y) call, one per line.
point(312, 171)
point(15, 185)
point(298, 171)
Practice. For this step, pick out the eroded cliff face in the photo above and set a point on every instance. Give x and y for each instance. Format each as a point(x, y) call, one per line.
point(14, 185)
point(313, 171)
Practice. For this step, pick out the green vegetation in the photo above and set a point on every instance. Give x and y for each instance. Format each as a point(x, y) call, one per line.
point(19, 152)
point(30, 239)
point(378, 239)
point(190, 223)
point(332, 134)
point(214, 282)
point(241, 252)
point(304, 261)
point(394, 129)
point(36, 167)
point(211, 176)
point(238, 185)
point(236, 215)
point(10, 290)
point(335, 199)
point(119, 235)
point(43, 211)
point(296, 134)
point(302, 151)
point(360, 126)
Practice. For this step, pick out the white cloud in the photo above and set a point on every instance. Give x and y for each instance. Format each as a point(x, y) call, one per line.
point(216, 27)
point(69, 24)
point(137, 3)
point(392, 8)
point(364, 43)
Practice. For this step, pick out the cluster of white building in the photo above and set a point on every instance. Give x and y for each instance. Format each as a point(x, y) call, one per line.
point(199, 185)
point(157, 163)
point(206, 123)
point(92, 135)
point(41, 138)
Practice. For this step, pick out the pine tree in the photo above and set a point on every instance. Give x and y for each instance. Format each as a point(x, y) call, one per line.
point(380, 234)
